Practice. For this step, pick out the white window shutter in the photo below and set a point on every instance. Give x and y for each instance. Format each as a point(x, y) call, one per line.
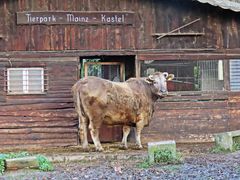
point(235, 75)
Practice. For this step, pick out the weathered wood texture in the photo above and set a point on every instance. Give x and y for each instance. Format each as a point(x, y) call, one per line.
point(220, 30)
point(219, 26)
point(234, 108)
point(21, 163)
point(50, 120)
point(40, 120)
point(194, 118)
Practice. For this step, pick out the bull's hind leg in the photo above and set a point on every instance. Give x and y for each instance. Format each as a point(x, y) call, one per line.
point(139, 127)
point(94, 131)
point(126, 131)
point(83, 132)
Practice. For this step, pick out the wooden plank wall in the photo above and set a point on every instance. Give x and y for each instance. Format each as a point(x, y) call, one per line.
point(195, 118)
point(151, 16)
point(219, 25)
point(66, 37)
point(2, 69)
point(41, 120)
point(234, 110)
point(49, 120)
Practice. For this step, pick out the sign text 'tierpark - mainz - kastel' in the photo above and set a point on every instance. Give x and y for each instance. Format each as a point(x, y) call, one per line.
point(75, 17)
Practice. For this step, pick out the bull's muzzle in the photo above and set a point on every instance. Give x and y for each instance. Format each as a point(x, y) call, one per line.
point(163, 94)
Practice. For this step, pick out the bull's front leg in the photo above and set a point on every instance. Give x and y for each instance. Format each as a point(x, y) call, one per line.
point(139, 127)
point(126, 131)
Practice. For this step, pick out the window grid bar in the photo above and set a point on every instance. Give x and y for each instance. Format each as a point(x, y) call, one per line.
point(25, 80)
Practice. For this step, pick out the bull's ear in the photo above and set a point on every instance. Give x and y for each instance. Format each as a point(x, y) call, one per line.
point(170, 77)
point(150, 79)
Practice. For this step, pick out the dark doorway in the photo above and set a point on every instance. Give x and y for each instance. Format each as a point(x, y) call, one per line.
point(108, 67)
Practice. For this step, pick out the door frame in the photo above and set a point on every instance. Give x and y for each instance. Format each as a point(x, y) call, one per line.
point(122, 68)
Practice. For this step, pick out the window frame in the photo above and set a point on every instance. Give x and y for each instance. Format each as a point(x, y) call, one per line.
point(25, 79)
point(233, 72)
point(225, 65)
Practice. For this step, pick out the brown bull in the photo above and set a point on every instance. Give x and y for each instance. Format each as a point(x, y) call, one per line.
point(128, 103)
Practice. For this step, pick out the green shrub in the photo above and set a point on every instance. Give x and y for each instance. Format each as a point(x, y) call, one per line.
point(162, 156)
point(144, 165)
point(218, 149)
point(2, 165)
point(236, 146)
point(44, 163)
point(167, 156)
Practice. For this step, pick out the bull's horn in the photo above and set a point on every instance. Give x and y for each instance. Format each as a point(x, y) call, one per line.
point(151, 78)
point(170, 77)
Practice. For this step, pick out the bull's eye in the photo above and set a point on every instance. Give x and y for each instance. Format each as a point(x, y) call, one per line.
point(165, 74)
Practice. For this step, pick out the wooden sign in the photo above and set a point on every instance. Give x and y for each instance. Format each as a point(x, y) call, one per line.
point(75, 17)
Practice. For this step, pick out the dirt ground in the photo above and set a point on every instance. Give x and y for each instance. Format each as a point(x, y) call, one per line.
point(198, 163)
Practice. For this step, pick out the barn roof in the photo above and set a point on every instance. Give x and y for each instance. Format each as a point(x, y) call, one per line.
point(233, 5)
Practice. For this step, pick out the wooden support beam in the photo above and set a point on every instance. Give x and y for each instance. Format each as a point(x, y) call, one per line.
point(180, 34)
point(177, 29)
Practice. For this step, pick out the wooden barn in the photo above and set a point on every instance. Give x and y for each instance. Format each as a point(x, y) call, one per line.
point(47, 45)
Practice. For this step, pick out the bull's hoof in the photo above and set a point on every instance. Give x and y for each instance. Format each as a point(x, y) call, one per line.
point(123, 147)
point(85, 147)
point(138, 147)
point(99, 149)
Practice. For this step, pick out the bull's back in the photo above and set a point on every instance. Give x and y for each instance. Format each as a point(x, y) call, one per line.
point(92, 90)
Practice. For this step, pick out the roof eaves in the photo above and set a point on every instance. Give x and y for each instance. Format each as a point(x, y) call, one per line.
point(233, 5)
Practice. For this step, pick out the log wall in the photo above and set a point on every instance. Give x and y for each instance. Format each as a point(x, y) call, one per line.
point(41, 120)
point(234, 109)
point(195, 118)
point(50, 120)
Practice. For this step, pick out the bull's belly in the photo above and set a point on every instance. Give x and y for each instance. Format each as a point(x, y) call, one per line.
point(120, 119)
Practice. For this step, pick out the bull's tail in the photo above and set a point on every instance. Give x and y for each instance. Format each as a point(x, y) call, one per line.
point(82, 118)
point(75, 98)
point(77, 101)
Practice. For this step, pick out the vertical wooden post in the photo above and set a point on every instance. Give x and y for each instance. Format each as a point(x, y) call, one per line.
point(226, 75)
point(85, 69)
point(122, 72)
point(137, 67)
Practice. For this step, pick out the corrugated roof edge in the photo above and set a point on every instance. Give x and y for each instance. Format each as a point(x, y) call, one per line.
point(225, 4)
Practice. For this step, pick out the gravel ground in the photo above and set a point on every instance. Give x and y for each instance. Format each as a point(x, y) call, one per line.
point(195, 166)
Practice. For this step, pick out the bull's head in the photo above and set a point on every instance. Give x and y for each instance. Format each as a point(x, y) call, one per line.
point(159, 81)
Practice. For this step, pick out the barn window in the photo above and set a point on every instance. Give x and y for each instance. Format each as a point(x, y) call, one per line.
point(25, 80)
point(189, 75)
point(235, 74)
